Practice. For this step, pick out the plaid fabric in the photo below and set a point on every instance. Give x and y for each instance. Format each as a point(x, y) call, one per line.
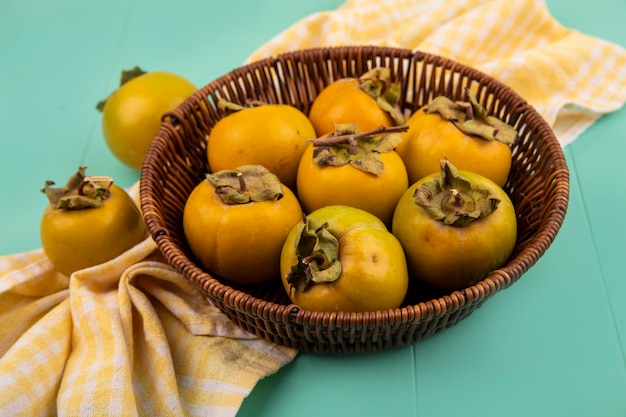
point(129, 337)
point(133, 337)
point(570, 78)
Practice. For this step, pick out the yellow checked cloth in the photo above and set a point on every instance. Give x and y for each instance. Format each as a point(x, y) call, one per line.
point(570, 78)
point(133, 337)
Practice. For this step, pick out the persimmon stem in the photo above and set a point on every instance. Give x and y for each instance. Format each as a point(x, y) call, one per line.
point(315, 257)
point(458, 198)
point(95, 179)
point(242, 183)
point(351, 139)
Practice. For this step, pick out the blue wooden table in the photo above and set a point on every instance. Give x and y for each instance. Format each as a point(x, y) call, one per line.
point(554, 344)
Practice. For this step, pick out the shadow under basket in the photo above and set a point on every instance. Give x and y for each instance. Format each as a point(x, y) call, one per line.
point(176, 162)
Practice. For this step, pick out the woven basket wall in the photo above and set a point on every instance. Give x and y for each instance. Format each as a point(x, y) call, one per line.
point(176, 163)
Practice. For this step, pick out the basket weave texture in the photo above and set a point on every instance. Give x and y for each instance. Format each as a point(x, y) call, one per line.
point(176, 162)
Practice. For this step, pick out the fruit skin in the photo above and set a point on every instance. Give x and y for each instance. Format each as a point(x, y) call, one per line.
point(272, 135)
point(320, 186)
point(342, 102)
point(132, 115)
point(78, 239)
point(374, 274)
point(241, 243)
point(431, 138)
point(452, 257)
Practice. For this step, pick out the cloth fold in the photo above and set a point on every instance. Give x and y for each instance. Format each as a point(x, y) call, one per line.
point(130, 337)
point(133, 337)
point(570, 78)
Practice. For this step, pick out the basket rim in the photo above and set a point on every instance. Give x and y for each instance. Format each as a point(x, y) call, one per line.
point(291, 314)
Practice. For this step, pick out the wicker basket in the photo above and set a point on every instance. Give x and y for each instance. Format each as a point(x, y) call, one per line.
point(176, 163)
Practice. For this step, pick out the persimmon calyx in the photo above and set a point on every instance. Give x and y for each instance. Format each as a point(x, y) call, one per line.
point(317, 251)
point(377, 84)
point(79, 192)
point(246, 184)
point(453, 200)
point(471, 118)
point(229, 107)
point(126, 76)
point(360, 149)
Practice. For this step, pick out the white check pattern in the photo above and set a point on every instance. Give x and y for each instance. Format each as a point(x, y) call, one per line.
point(126, 338)
point(569, 77)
